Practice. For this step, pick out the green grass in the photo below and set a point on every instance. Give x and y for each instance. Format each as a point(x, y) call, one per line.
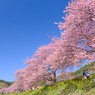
point(76, 86)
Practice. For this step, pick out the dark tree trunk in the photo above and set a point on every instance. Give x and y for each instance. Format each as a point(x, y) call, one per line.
point(55, 76)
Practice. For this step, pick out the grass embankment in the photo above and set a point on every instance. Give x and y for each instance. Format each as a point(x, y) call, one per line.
point(80, 71)
point(85, 67)
point(76, 86)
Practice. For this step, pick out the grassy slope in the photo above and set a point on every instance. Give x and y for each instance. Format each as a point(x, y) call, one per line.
point(80, 71)
point(73, 87)
point(76, 86)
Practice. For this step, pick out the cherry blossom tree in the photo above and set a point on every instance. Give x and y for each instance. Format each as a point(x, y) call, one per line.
point(77, 43)
point(47, 60)
point(79, 28)
point(39, 68)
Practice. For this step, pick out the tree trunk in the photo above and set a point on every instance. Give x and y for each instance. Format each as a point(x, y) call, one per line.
point(55, 77)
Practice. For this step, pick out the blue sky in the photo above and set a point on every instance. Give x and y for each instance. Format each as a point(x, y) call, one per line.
point(24, 25)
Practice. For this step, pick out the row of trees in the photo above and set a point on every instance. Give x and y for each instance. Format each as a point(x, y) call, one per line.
point(76, 44)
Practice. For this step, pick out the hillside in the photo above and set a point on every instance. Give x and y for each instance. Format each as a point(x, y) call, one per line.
point(77, 86)
point(80, 71)
point(68, 87)
point(4, 83)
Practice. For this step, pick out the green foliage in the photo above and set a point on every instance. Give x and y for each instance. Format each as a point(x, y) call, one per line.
point(42, 82)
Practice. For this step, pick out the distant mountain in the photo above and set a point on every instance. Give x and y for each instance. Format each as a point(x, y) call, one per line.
point(5, 83)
